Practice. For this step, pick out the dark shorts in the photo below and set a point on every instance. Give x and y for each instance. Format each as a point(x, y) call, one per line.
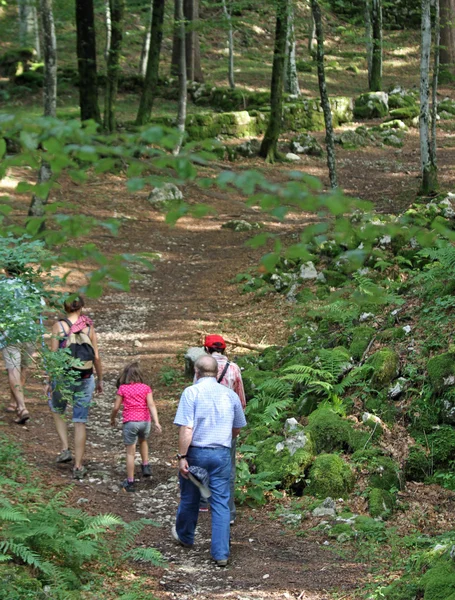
point(82, 393)
point(132, 430)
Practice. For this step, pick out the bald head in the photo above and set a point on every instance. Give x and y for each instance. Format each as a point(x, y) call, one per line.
point(206, 366)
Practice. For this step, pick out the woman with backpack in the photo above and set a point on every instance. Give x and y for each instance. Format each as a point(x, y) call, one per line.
point(76, 332)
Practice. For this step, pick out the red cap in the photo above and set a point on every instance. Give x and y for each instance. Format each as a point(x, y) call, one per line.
point(214, 341)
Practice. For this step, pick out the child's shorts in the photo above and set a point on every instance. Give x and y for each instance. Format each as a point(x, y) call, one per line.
point(132, 430)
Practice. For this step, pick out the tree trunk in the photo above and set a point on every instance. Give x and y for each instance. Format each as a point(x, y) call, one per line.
point(291, 81)
point(117, 10)
point(183, 91)
point(329, 138)
point(192, 50)
point(153, 63)
point(108, 22)
point(86, 61)
point(434, 87)
point(269, 144)
point(369, 39)
point(447, 48)
point(312, 38)
point(227, 14)
point(49, 98)
point(28, 26)
point(146, 45)
point(376, 59)
point(428, 172)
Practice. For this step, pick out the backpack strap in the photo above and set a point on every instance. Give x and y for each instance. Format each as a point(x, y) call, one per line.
point(68, 322)
point(223, 373)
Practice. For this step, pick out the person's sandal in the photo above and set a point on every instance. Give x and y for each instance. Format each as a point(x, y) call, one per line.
point(22, 417)
point(11, 409)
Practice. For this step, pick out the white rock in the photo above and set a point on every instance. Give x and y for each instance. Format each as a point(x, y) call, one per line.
point(308, 271)
point(326, 509)
point(365, 317)
point(291, 424)
point(168, 192)
point(293, 157)
point(386, 240)
point(407, 329)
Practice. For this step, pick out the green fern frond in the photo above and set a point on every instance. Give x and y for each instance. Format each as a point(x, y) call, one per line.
point(26, 555)
point(354, 377)
point(12, 514)
point(150, 555)
point(334, 362)
point(5, 558)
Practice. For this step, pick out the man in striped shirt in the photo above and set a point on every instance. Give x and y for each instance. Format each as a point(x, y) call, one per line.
point(229, 374)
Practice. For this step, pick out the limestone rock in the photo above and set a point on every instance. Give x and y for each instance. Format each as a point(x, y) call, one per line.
point(396, 390)
point(292, 157)
point(326, 509)
point(248, 148)
point(240, 225)
point(191, 356)
point(160, 196)
point(371, 105)
point(306, 144)
point(308, 271)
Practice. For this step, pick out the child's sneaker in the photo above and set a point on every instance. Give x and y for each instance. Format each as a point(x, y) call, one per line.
point(146, 470)
point(128, 486)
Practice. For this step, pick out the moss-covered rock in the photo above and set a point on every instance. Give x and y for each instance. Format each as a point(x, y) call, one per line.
point(417, 467)
point(441, 370)
point(439, 581)
point(307, 115)
point(371, 105)
point(282, 466)
point(385, 363)
point(401, 100)
point(361, 337)
point(380, 503)
point(405, 114)
point(385, 474)
point(441, 443)
point(19, 584)
point(391, 333)
point(331, 432)
point(269, 358)
point(331, 476)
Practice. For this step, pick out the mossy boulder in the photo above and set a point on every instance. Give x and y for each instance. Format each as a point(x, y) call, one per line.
point(371, 105)
point(284, 467)
point(385, 363)
point(18, 583)
point(235, 124)
point(385, 474)
point(307, 115)
point(380, 503)
point(401, 100)
point(306, 143)
point(330, 476)
point(269, 358)
point(418, 464)
point(391, 333)
point(331, 432)
point(361, 337)
point(441, 443)
point(441, 370)
point(439, 581)
point(405, 114)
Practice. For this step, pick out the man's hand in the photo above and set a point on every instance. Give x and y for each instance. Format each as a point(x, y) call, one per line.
point(99, 386)
point(48, 389)
point(183, 468)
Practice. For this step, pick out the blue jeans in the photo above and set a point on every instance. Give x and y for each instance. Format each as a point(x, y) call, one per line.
point(232, 509)
point(217, 462)
point(82, 392)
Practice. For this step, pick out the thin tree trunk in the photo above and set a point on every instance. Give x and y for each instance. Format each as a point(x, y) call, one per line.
point(434, 87)
point(329, 138)
point(108, 22)
point(269, 146)
point(312, 38)
point(117, 10)
point(447, 48)
point(192, 50)
point(291, 81)
point(376, 62)
point(369, 39)
point(153, 63)
point(28, 26)
point(427, 171)
point(146, 45)
point(183, 91)
point(86, 61)
point(38, 204)
point(227, 15)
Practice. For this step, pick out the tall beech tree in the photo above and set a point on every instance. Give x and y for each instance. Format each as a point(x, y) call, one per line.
point(117, 10)
point(427, 161)
point(325, 103)
point(291, 80)
point(86, 61)
point(49, 101)
point(434, 86)
point(28, 26)
point(151, 74)
point(183, 82)
point(192, 49)
point(375, 75)
point(227, 10)
point(269, 146)
point(447, 47)
point(146, 43)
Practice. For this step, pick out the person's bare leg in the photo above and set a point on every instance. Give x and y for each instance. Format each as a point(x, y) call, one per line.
point(62, 429)
point(14, 378)
point(80, 437)
point(144, 450)
point(130, 455)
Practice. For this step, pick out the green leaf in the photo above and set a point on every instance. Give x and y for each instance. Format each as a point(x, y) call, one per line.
point(135, 184)
point(270, 260)
point(258, 240)
point(2, 147)
point(5, 209)
point(23, 187)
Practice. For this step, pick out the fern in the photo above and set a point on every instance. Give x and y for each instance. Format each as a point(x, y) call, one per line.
point(26, 555)
point(333, 362)
point(354, 377)
point(150, 555)
point(12, 514)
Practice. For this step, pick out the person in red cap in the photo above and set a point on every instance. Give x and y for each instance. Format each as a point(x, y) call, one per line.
point(229, 374)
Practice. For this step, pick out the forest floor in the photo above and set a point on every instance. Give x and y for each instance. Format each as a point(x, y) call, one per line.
point(191, 290)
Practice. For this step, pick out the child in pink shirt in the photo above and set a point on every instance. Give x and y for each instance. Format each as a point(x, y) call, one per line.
point(138, 411)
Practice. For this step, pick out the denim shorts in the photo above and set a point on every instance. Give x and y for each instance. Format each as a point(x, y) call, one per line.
point(81, 393)
point(132, 430)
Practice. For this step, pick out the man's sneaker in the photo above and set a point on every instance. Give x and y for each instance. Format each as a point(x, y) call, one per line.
point(128, 486)
point(79, 473)
point(146, 470)
point(64, 456)
point(222, 563)
point(175, 535)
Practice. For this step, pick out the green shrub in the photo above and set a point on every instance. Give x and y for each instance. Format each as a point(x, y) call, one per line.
point(380, 503)
point(439, 581)
point(441, 444)
point(385, 473)
point(331, 476)
point(19, 584)
point(252, 379)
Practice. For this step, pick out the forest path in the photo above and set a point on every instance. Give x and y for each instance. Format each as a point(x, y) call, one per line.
point(189, 290)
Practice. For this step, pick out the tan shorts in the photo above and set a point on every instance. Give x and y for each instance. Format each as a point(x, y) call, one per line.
point(16, 357)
